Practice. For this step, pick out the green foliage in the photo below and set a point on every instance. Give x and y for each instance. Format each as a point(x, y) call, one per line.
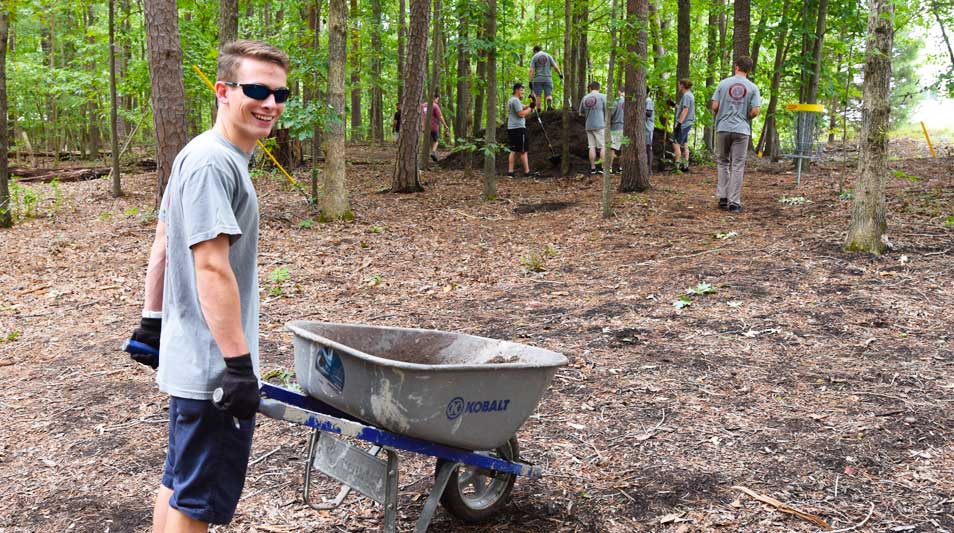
point(949, 222)
point(701, 288)
point(11, 336)
point(284, 377)
point(794, 200)
point(536, 259)
point(905, 176)
point(277, 279)
point(373, 280)
point(308, 223)
point(376, 229)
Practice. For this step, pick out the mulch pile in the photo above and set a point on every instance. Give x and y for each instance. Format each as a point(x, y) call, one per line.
point(539, 152)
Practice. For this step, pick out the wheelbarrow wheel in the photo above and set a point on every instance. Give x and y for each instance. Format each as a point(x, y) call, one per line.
point(476, 494)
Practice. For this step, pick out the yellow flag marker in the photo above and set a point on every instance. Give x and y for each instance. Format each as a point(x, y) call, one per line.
point(260, 145)
point(926, 136)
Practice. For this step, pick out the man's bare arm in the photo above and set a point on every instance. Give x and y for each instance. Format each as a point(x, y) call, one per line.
point(755, 112)
point(219, 295)
point(155, 272)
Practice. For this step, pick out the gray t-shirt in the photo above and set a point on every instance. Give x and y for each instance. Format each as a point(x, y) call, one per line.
point(736, 96)
point(209, 193)
point(592, 106)
point(616, 117)
point(650, 119)
point(514, 121)
point(542, 62)
point(688, 101)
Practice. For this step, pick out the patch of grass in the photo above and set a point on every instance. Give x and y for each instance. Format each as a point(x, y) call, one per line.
point(536, 260)
point(847, 194)
point(308, 223)
point(284, 376)
point(10, 337)
point(949, 222)
point(376, 229)
point(131, 212)
point(105, 216)
point(374, 280)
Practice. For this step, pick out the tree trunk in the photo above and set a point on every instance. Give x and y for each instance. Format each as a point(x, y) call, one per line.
point(6, 217)
point(402, 55)
point(377, 95)
point(868, 222)
point(434, 87)
point(314, 22)
point(712, 66)
point(490, 132)
point(462, 118)
point(228, 21)
point(740, 29)
point(93, 128)
point(819, 39)
point(570, 80)
point(355, 65)
point(406, 177)
point(611, 69)
point(481, 86)
point(334, 183)
point(168, 93)
point(682, 45)
point(635, 177)
point(117, 189)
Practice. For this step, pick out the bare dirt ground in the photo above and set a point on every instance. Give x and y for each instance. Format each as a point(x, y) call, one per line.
point(820, 378)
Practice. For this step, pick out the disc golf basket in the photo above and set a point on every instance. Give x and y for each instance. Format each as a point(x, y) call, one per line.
point(804, 141)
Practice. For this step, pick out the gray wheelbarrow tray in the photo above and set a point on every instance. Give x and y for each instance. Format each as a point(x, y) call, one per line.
point(450, 388)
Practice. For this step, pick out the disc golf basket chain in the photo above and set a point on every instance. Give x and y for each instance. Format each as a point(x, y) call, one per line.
point(804, 144)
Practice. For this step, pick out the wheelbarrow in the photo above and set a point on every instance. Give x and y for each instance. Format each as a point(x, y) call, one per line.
point(455, 397)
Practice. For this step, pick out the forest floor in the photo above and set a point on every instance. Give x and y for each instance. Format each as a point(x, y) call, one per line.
point(817, 377)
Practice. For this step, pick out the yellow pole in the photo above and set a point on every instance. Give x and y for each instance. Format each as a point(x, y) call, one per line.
point(926, 136)
point(260, 145)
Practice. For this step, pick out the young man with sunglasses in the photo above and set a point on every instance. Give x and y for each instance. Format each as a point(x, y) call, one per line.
point(201, 297)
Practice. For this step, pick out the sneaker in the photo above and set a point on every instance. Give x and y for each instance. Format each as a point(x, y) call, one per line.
point(723, 203)
point(594, 171)
point(685, 169)
point(510, 174)
point(531, 174)
point(433, 157)
point(735, 208)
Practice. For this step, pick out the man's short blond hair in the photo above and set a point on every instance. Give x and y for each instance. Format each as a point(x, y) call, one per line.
point(231, 55)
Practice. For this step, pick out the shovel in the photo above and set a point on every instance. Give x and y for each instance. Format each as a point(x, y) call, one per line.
point(554, 158)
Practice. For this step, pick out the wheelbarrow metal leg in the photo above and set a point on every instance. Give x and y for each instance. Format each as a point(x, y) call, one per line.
point(430, 506)
point(391, 493)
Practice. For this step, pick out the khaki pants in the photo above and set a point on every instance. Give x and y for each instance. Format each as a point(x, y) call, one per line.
point(732, 149)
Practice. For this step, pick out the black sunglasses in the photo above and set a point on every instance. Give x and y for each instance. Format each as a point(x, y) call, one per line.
point(258, 91)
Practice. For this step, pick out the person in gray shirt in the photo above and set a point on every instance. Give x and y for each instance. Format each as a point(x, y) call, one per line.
point(202, 297)
point(517, 129)
point(736, 102)
point(685, 116)
point(593, 107)
point(541, 79)
point(616, 131)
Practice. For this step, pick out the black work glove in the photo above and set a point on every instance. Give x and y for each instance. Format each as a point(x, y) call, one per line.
point(148, 332)
point(560, 74)
point(239, 388)
point(676, 129)
point(533, 102)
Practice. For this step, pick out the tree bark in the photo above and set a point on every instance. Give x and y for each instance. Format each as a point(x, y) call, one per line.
point(355, 64)
point(435, 84)
point(682, 44)
point(377, 95)
point(740, 29)
point(167, 90)
point(117, 188)
point(402, 54)
point(490, 132)
point(611, 69)
point(228, 21)
point(568, 82)
point(819, 39)
point(93, 134)
point(868, 221)
point(334, 202)
point(759, 36)
point(464, 98)
point(712, 66)
point(406, 176)
point(6, 217)
point(635, 177)
point(314, 22)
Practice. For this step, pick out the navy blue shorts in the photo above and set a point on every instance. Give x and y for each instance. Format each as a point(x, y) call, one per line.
point(206, 461)
point(681, 135)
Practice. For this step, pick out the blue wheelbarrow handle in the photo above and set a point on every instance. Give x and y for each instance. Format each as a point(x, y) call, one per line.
point(139, 348)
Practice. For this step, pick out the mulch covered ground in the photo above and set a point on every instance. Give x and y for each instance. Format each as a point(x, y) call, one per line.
point(816, 377)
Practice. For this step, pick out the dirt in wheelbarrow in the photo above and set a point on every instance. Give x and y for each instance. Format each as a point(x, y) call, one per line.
point(716, 360)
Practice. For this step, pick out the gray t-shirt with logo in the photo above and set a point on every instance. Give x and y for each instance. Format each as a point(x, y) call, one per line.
point(514, 121)
point(688, 101)
point(593, 107)
point(616, 116)
point(736, 96)
point(542, 62)
point(209, 193)
point(650, 119)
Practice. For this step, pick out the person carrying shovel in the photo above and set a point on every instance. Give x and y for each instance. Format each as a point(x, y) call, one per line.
point(517, 129)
